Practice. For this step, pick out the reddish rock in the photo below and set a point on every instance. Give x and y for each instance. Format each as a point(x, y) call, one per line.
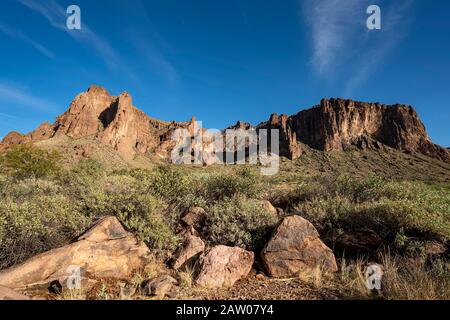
point(192, 246)
point(222, 266)
point(289, 146)
point(105, 251)
point(269, 207)
point(9, 294)
point(15, 138)
point(356, 241)
point(338, 123)
point(335, 124)
point(295, 247)
point(195, 217)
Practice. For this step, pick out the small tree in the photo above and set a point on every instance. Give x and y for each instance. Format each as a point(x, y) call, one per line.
point(26, 161)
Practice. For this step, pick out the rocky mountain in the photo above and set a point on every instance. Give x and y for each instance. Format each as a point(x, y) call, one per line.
point(333, 125)
point(112, 120)
point(337, 124)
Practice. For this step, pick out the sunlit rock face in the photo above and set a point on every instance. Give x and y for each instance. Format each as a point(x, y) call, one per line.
point(336, 124)
point(333, 125)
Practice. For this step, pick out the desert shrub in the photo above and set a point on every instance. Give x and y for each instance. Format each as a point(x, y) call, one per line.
point(88, 168)
point(239, 222)
point(360, 190)
point(86, 185)
point(244, 182)
point(388, 207)
point(143, 177)
point(122, 195)
point(36, 223)
point(169, 182)
point(144, 217)
point(27, 161)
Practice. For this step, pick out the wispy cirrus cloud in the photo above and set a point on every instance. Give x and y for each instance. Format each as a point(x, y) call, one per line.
point(332, 25)
point(340, 38)
point(6, 115)
point(16, 34)
point(19, 96)
point(155, 59)
point(152, 46)
point(56, 16)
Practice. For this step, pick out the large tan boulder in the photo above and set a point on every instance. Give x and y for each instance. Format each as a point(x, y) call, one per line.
point(222, 266)
point(295, 247)
point(9, 294)
point(105, 251)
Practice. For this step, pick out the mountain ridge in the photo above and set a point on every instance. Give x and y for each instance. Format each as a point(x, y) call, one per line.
point(333, 125)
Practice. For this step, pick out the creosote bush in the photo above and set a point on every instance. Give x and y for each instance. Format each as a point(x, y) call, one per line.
point(387, 207)
point(39, 214)
point(26, 161)
point(239, 222)
point(244, 182)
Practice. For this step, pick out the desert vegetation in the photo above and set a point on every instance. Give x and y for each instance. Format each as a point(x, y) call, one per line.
point(44, 206)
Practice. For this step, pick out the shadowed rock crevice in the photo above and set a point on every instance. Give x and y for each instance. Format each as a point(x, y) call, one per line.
point(108, 115)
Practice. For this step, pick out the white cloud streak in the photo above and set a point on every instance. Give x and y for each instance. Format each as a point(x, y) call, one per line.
point(16, 95)
point(56, 16)
point(155, 59)
point(340, 37)
point(332, 24)
point(395, 23)
point(5, 115)
point(152, 46)
point(18, 35)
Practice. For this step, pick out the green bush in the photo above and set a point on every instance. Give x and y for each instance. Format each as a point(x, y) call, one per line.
point(241, 183)
point(26, 161)
point(36, 223)
point(168, 182)
point(388, 207)
point(239, 222)
point(144, 217)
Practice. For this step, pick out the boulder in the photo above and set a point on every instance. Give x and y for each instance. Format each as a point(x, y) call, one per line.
point(192, 246)
point(195, 218)
point(159, 286)
point(222, 266)
point(9, 294)
point(356, 241)
point(269, 207)
point(105, 251)
point(295, 247)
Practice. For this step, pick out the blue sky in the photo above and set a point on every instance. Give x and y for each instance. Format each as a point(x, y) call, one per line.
point(224, 61)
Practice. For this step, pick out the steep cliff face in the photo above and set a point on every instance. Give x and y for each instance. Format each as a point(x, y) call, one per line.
point(113, 120)
point(289, 146)
point(334, 124)
point(86, 115)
